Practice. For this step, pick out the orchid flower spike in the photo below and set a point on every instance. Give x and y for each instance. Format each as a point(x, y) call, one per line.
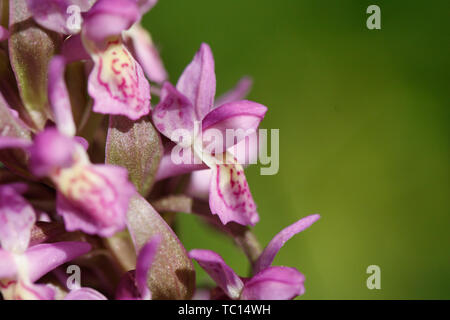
point(269, 282)
point(101, 31)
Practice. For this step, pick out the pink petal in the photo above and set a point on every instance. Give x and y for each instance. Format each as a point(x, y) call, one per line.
point(51, 151)
point(198, 81)
point(199, 184)
point(84, 294)
point(147, 54)
point(109, 18)
point(268, 255)
point(4, 33)
point(238, 120)
point(17, 218)
point(54, 15)
point(117, 83)
point(167, 168)
point(146, 5)
point(8, 267)
point(43, 258)
point(219, 271)
point(230, 197)
point(144, 261)
point(73, 49)
point(174, 111)
point(274, 283)
point(59, 96)
point(13, 143)
point(94, 199)
point(239, 92)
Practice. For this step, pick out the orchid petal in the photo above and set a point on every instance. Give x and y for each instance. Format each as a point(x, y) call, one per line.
point(174, 111)
point(147, 54)
point(199, 184)
point(17, 218)
point(56, 14)
point(14, 143)
point(167, 167)
point(274, 283)
point(51, 151)
point(85, 294)
point(42, 258)
point(59, 96)
point(144, 261)
point(8, 268)
point(230, 197)
point(268, 255)
point(94, 198)
point(239, 92)
point(146, 5)
point(235, 121)
point(117, 83)
point(109, 18)
point(219, 271)
point(198, 81)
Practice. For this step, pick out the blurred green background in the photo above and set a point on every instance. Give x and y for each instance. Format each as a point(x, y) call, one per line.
point(364, 134)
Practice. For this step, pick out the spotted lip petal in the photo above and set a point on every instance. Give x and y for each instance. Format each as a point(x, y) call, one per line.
point(274, 283)
point(268, 255)
point(94, 198)
point(198, 81)
point(17, 218)
point(117, 83)
point(219, 271)
point(230, 197)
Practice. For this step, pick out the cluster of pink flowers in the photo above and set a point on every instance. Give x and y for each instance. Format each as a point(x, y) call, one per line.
point(60, 206)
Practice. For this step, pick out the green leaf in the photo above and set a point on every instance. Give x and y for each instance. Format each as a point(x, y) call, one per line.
point(136, 146)
point(31, 48)
point(172, 274)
